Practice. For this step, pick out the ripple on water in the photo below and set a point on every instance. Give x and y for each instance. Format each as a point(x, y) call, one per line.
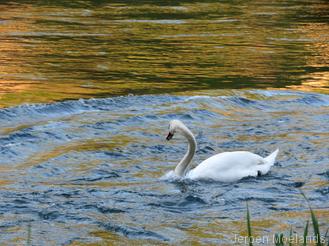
point(76, 167)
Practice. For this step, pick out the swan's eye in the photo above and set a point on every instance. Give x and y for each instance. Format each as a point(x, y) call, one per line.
point(170, 135)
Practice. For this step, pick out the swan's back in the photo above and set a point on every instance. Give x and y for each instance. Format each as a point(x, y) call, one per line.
point(230, 166)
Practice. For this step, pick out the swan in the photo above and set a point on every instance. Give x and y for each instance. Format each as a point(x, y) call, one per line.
point(225, 167)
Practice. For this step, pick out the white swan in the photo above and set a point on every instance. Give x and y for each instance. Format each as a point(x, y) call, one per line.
point(226, 166)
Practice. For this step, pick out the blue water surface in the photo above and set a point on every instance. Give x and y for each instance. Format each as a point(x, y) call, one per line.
point(73, 169)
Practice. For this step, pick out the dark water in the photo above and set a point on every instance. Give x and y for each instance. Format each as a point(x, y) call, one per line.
point(56, 50)
point(88, 171)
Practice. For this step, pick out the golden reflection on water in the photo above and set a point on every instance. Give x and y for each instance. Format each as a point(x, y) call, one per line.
point(56, 52)
point(217, 228)
point(87, 145)
point(108, 238)
point(318, 77)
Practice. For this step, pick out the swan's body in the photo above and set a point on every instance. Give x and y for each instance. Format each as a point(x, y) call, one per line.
point(232, 166)
point(226, 166)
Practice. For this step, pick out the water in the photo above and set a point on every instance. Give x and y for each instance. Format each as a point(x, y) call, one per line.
point(89, 170)
point(81, 49)
point(87, 89)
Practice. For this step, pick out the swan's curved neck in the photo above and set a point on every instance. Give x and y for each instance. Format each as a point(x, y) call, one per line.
point(182, 166)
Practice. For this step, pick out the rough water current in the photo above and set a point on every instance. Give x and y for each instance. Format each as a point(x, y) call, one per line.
point(88, 171)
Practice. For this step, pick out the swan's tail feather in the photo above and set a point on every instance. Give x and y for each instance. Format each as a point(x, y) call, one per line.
point(270, 160)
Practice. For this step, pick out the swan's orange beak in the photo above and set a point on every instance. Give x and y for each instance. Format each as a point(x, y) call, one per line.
point(170, 135)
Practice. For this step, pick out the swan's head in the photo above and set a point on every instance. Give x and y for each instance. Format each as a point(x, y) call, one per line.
point(174, 126)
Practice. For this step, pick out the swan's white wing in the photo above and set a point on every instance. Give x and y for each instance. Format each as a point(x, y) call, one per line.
point(228, 166)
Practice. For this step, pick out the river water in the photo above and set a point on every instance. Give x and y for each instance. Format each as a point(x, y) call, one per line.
point(79, 49)
point(87, 90)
